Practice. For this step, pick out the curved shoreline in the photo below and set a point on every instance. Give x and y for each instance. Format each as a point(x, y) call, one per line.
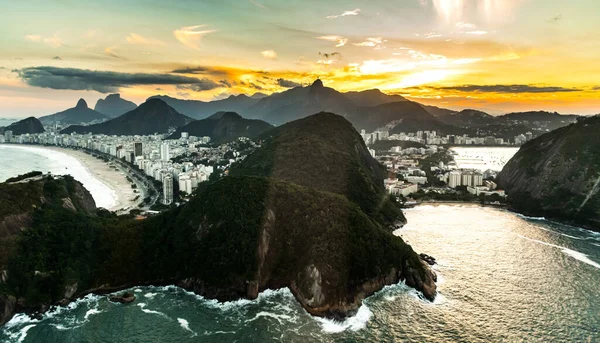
point(109, 187)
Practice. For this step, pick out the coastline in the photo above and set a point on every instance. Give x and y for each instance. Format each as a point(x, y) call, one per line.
point(109, 187)
point(115, 179)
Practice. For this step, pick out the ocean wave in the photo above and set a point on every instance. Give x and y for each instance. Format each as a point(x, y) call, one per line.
point(91, 312)
point(186, 326)
point(23, 333)
point(145, 310)
point(573, 253)
point(354, 323)
point(279, 317)
point(529, 218)
point(150, 295)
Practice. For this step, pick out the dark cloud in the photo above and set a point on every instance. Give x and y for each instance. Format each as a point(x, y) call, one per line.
point(225, 83)
point(330, 54)
point(287, 83)
point(597, 88)
point(508, 89)
point(251, 85)
point(57, 58)
point(201, 85)
point(199, 70)
point(103, 81)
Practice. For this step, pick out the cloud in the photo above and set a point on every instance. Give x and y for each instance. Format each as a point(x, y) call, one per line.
point(191, 36)
point(110, 51)
point(508, 89)
point(134, 38)
point(34, 38)
point(463, 25)
point(57, 58)
point(596, 88)
point(341, 41)
point(103, 81)
point(258, 4)
point(372, 42)
point(354, 12)
point(555, 19)
point(53, 41)
point(270, 54)
point(200, 70)
point(225, 83)
point(287, 83)
point(201, 85)
point(327, 55)
point(477, 32)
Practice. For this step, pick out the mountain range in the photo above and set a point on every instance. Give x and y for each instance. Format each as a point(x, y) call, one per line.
point(368, 110)
point(153, 116)
point(80, 114)
point(113, 106)
point(223, 127)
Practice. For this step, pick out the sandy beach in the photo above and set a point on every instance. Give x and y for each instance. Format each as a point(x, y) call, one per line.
point(114, 179)
point(108, 186)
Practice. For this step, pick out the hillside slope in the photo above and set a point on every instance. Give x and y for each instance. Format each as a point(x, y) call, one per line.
point(153, 116)
point(223, 127)
point(557, 175)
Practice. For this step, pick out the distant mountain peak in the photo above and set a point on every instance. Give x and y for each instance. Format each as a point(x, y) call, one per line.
point(81, 104)
point(113, 96)
point(317, 84)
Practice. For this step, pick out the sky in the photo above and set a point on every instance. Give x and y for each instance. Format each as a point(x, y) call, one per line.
point(497, 56)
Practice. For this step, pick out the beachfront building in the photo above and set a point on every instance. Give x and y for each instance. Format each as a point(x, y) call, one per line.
point(164, 151)
point(167, 181)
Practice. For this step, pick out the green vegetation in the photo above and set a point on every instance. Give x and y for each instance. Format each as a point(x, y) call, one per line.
point(553, 174)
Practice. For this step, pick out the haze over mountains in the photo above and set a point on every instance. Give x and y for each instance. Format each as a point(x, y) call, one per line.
point(79, 114)
point(368, 110)
point(114, 106)
point(223, 126)
point(153, 116)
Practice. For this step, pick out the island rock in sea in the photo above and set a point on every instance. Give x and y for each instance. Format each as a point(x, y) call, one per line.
point(557, 175)
point(307, 210)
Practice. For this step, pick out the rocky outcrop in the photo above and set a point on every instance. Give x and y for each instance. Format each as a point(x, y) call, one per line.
point(7, 308)
point(557, 175)
point(124, 298)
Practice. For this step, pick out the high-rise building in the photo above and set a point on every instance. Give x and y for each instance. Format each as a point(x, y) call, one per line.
point(467, 180)
point(8, 135)
point(138, 149)
point(164, 151)
point(477, 179)
point(454, 179)
point(184, 135)
point(167, 181)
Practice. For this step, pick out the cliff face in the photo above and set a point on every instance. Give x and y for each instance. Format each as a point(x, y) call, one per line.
point(19, 201)
point(557, 175)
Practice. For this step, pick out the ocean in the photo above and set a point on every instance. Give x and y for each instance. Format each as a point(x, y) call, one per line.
point(502, 278)
point(21, 159)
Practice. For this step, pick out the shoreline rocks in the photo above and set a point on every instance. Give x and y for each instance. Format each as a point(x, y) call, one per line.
point(430, 260)
point(124, 298)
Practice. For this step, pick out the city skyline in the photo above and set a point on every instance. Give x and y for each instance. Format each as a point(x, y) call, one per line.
point(497, 56)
